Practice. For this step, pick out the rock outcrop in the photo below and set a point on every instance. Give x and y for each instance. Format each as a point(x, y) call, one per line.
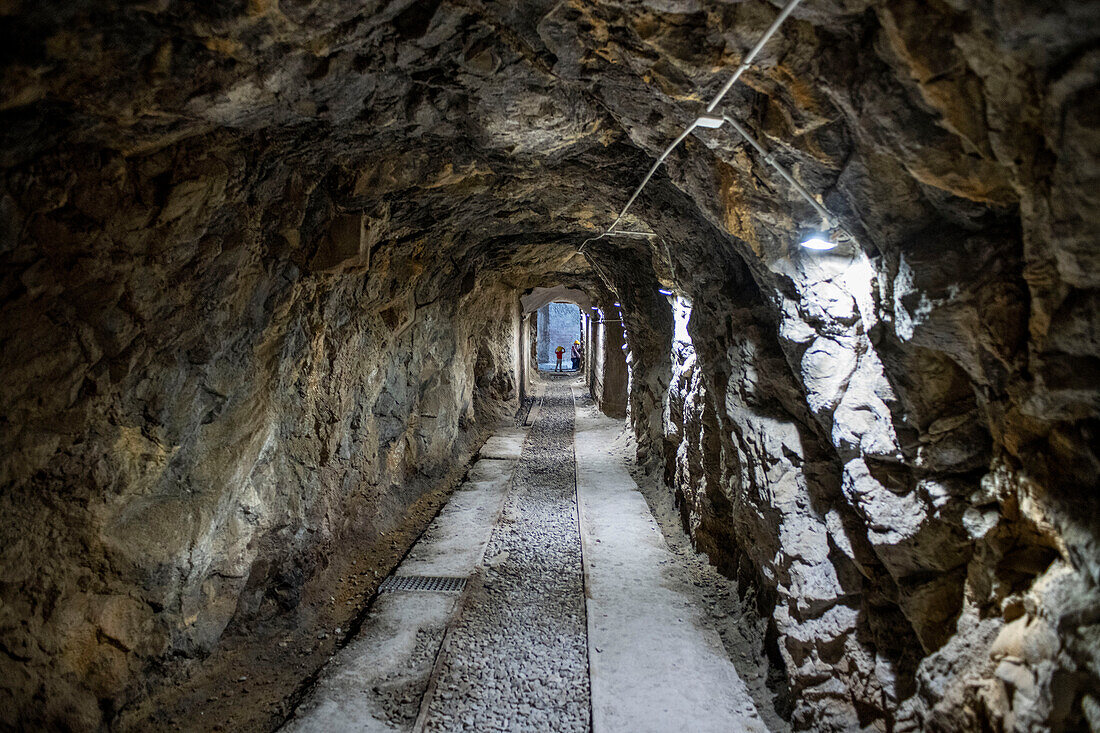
point(262, 264)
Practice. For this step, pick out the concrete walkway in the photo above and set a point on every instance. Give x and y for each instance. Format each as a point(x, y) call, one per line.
point(503, 655)
point(378, 681)
point(656, 662)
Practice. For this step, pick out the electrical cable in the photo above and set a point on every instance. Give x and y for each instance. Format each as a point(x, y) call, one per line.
point(652, 170)
point(769, 158)
point(745, 63)
point(752, 54)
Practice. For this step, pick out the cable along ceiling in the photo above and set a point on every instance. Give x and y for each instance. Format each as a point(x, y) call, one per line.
point(708, 120)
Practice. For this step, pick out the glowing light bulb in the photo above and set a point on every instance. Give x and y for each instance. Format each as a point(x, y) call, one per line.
point(664, 292)
point(817, 242)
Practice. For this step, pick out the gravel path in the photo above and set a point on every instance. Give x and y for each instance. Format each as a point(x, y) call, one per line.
point(517, 659)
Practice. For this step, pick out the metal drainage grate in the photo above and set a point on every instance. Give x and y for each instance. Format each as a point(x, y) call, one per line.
point(424, 583)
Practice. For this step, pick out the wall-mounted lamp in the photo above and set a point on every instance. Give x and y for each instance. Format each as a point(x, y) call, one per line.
point(816, 241)
point(711, 122)
point(617, 305)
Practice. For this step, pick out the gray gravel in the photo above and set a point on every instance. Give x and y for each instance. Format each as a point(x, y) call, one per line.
point(399, 692)
point(517, 660)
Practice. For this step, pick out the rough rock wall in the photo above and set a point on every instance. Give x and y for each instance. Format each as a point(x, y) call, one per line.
point(648, 329)
point(197, 416)
point(542, 336)
point(760, 492)
point(606, 365)
point(900, 437)
point(914, 588)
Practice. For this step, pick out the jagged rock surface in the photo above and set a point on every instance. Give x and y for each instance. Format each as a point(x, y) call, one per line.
point(260, 269)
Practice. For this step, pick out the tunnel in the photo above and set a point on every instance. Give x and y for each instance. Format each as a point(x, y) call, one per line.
point(280, 448)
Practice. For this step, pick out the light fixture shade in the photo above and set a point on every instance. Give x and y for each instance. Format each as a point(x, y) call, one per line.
point(709, 121)
point(818, 242)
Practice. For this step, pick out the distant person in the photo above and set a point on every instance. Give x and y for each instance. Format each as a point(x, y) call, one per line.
point(575, 353)
point(559, 351)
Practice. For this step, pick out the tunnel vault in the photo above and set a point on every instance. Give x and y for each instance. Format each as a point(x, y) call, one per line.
point(266, 273)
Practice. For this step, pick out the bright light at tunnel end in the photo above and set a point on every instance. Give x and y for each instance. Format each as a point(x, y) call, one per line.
point(819, 243)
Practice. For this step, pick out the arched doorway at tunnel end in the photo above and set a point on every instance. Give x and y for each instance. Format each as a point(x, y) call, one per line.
point(603, 359)
point(558, 334)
